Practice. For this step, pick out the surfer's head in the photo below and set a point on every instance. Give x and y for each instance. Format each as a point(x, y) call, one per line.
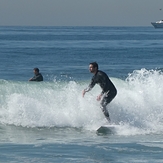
point(93, 67)
point(36, 70)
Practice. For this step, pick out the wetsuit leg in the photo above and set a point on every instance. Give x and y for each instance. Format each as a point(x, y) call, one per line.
point(104, 110)
point(106, 100)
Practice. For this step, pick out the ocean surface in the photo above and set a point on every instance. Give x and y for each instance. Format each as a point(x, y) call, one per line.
point(50, 121)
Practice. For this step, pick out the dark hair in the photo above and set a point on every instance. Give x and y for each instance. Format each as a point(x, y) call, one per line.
point(94, 65)
point(36, 69)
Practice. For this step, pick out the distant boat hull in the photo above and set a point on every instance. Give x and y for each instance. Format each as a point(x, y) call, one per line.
point(158, 24)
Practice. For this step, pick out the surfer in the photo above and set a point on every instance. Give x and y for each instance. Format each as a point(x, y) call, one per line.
point(108, 89)
point(38, 76)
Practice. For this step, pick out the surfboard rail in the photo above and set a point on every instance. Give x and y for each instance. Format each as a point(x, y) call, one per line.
point(106, 129)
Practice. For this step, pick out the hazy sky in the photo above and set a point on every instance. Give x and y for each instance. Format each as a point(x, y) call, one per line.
point(80, 12)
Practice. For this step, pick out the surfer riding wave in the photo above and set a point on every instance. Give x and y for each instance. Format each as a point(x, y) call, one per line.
point(108, 89)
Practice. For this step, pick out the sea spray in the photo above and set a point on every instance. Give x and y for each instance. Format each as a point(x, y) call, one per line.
point(47, 104)
point(139, 102)
point(137, 106)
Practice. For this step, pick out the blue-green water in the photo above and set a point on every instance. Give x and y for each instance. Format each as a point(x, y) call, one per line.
point(51, 121)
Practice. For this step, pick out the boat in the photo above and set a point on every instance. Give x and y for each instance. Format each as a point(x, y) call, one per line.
point(158, 24)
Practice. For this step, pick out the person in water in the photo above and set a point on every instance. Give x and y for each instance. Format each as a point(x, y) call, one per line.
point(38, 76)
point(108, 89)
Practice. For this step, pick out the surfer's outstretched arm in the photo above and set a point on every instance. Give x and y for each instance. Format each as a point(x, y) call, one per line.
point(86, 90)
point(91, 85)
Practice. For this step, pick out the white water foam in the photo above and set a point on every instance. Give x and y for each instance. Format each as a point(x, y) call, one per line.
point(139, 105)
point(137, 108)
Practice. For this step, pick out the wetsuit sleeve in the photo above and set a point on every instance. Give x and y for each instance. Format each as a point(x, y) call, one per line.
point(37, 78)
point(33, 79)
point(91, 85)
point(102, 92)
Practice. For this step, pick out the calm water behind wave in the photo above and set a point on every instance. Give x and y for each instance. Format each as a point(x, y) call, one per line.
point(68, 50)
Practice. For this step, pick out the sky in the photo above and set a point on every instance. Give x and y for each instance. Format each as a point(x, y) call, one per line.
point(80, 12)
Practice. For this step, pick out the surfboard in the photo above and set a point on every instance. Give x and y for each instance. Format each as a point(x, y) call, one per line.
point(106, 129)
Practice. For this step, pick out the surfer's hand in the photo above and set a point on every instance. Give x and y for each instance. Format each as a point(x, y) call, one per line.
point(83, 93)
point(99, 97)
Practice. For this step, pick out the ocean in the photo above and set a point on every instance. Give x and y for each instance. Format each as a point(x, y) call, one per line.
point(50, 121)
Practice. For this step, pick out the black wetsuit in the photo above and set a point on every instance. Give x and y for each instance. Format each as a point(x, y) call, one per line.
point(108, 89)
point(37, 77)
